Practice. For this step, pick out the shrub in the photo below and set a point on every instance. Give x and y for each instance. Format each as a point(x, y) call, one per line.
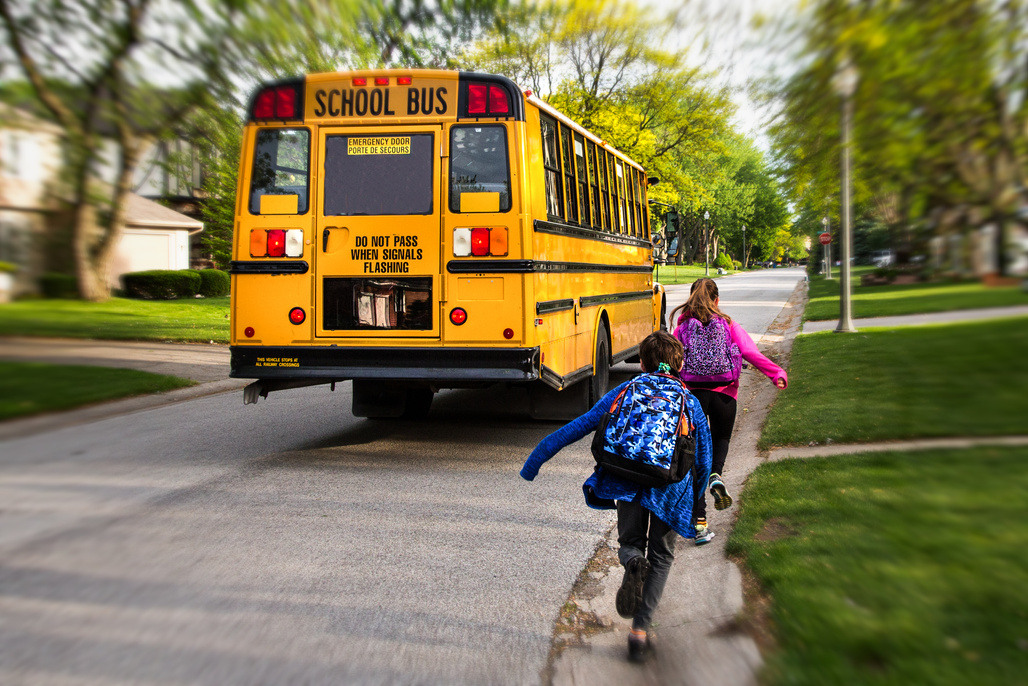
point(723, 261)
point(736, 264)
point(63, 286)
point(161, 284)
point(213, 283)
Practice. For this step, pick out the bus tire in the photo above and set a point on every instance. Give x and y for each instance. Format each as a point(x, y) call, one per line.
point(599, 382)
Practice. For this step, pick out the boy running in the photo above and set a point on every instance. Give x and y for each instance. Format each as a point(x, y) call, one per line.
point(648, 517)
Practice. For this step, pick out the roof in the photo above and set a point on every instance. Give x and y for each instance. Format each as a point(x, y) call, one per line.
point(143, 213)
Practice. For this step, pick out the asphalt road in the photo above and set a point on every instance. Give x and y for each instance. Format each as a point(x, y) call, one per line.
point(207, 542)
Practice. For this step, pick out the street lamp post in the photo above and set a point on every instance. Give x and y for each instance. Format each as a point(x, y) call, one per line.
point(846, 86)
point(744, 246)
point(827, 224)
point(706, 244)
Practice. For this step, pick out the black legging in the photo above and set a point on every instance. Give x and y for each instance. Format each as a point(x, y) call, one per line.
point(720, 410)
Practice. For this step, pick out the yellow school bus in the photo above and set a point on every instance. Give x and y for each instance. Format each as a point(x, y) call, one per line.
point(412, 230)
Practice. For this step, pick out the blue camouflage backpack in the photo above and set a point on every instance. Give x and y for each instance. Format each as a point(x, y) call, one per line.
point(646, 436)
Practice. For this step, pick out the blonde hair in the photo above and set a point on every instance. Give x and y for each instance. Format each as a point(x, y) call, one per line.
point(702, 303)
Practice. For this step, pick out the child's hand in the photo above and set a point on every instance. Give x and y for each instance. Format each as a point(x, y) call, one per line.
point(780, 383)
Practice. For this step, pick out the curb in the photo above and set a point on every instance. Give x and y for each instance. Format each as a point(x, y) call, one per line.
point(20, 428)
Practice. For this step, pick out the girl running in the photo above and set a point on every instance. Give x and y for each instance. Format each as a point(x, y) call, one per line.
point(714, 349)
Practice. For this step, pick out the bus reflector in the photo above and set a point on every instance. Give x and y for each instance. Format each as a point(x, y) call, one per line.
point(381, 80)
point(297, 315)
point(498, 102)
point(258, 243)
point(248, 332)
point(508, 334)
point(498, 242)
point(479, 241)
point(403, 80)
point(477, 98)
point(276, 242)
point(294, 243)
point(458, 315)
point(360, 81)
point(461, 242)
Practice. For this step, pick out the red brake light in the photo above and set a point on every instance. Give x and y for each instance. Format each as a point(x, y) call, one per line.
point(285, 103)
point(264, 105)
point(479, 241)
point(403, 80)
point(477, 98)
point(297, 315)
point(276, 242)
point(381, 80)
point(458, 315)
point(498, 102)
point(360, 81)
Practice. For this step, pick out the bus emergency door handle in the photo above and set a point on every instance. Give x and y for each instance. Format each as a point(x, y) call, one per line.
point(324, 239)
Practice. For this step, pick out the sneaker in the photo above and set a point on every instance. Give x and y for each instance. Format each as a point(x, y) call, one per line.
point(629, 596)
point(722, 500)
point(703, 534)
point(639, 647)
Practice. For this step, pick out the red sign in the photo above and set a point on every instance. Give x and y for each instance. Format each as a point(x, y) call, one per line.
point(825, 238)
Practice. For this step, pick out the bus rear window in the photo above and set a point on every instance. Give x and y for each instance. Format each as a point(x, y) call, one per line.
point(378, 175)
point(281, 167)
point(478, 166)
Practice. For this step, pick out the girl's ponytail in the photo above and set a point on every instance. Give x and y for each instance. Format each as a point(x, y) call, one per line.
point(702, 303)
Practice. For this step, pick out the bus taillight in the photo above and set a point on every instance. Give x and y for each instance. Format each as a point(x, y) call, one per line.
point(276, 242)
point(480, 241)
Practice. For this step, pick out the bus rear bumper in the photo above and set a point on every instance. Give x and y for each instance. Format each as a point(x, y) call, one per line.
point(438, 365)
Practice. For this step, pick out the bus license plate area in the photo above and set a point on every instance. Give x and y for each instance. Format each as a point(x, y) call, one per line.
point(377, 304)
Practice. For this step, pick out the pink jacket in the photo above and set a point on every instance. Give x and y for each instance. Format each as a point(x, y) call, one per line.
point(749, 353)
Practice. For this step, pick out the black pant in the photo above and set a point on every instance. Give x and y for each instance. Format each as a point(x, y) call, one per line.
point(720, 410)
point(640, 532)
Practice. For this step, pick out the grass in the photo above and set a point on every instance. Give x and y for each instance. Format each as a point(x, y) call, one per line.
point(28, 388)
point(964, 379)
point(194, 320)
point(918, 298)
point(671, 274)
point(892, 568)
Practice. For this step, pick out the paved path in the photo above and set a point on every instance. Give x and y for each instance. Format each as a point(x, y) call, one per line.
point(921, 319)
point(885, 446)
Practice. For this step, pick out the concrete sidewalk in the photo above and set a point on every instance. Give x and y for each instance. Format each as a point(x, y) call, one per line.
point(921, 319)
point(698, 637)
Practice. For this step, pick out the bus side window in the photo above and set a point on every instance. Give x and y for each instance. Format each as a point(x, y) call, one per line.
point(551, 166)
point(594, 193)
point(619, 196)
point(633, 223)
point(281, 166)
point(583, 180)
point(569, 175)
point(479, 166)
point(608, 184)
point(644, 215)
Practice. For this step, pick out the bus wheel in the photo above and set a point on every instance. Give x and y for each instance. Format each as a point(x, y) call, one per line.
point(599, 383)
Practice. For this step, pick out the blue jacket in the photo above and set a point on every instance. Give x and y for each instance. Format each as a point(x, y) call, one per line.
point(672, 503)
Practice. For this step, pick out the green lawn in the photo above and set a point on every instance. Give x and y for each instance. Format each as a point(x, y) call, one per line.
point(192, 320)
point(884, 301)
point(956, 380)
point(28, 388)
point(894, 569)
point(671, 274)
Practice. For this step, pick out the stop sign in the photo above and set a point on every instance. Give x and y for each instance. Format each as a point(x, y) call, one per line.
point(825, 238)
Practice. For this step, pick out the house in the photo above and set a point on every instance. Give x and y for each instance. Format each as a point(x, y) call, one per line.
point(34, 226)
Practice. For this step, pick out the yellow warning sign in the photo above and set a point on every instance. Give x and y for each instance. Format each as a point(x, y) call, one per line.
point(395, 145)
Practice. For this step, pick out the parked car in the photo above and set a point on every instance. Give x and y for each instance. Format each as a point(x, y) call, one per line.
point(882, 258)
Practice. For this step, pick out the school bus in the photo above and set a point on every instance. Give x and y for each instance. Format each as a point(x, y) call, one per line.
point(412, 230)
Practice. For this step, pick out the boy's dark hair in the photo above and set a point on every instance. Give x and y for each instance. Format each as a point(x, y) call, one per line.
point(661, 346)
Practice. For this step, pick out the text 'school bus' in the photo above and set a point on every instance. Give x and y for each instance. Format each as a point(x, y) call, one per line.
point(418, 230)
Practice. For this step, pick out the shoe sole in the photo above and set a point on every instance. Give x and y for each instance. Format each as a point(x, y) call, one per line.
point(722, 500)
point(705, 541)
point(630, 593)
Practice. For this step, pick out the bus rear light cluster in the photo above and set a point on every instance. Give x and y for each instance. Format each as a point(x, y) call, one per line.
point(280, 102)
point(486, 99)
point(480, 241)
point(276, 243)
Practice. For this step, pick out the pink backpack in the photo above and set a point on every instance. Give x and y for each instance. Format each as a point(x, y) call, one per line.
point(711, 356)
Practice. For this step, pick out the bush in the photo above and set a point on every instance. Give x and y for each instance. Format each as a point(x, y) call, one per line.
point(63, 286)
point(161, 284)
point(736, 264)
point(213, 283)
point(723, 261)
